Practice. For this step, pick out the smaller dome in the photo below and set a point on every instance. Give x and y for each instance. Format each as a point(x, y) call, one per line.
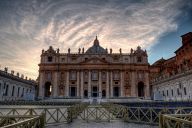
point(96, 48)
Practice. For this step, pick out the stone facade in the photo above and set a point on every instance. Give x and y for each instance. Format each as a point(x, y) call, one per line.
point(93, 73)
point(172, 78)
point(15, 87)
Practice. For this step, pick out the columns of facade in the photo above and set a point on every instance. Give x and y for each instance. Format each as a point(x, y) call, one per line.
point(82, 82)
point(77, 83)
point(41, 85)
point(67, 84)
point(122, 84)
point(55, 84)
point(111, 83)
point(100, 83)
point(107, 85)
point(133, 84)
point(89, 84)
point(147, 88)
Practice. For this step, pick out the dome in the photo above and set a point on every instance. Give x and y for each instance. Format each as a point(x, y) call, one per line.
point(96, 48)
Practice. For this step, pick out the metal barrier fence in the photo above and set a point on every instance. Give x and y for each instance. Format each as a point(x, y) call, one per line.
point(175, 121)
point(18, 121)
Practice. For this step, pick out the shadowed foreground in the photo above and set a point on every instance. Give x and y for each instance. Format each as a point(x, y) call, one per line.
point(114, 124)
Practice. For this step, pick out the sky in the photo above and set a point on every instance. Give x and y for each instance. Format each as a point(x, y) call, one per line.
point(28, 26)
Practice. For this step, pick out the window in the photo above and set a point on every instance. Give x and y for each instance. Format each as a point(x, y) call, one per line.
point(172, 92)
point(50, 58)
point(163, 93)
point(167, 93)
point(139, 59)
point(13, 91)
point(86, 58)
point(6, 90)
point(103, 82)
point(116, 82)
point(18, 90)
point(185, 92)
point(180, 85)
point(103, 58)
point(22, 93)
point(94, 75)
point(178, 91)
point(73, 58)
point(73, 75)
point(63, 59)
point(85, 82)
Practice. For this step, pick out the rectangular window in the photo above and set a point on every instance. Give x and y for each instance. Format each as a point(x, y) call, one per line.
point(13, 91)
point(167, 93)
point(185, 91)
point(6, 90)
point(50, 58)
point(94, 75)
point(18, 91)
point(172, 92)
point(163, 93)
point(22, 93)
point(178, 91)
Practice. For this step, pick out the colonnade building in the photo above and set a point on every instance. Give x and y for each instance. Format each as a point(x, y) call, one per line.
point(95, 72)
point(16, 87)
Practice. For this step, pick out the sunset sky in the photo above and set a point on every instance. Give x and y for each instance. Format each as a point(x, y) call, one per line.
point(28, 26)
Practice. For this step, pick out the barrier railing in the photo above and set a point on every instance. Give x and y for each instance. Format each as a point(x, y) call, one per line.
point(104, 112)
point(147, 115)
point(63, 114)
point(175, 121)
point(18, 121)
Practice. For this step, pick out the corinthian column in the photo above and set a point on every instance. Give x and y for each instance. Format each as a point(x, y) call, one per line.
point(133, 84)
point(55, 84)
point(107, 85)
point(100, 82)
point(111, 83)
point(78, 83)
point(147, 90)
point(122, 83)
point(82, 81)
point(89, 84)
point(41, 85)
point(67, 85)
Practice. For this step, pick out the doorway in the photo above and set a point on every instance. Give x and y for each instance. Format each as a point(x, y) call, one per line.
point(141, 87)
point(48, 89)
point(94, 91)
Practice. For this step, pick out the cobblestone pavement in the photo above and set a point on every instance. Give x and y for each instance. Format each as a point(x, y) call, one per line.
point(113, 124)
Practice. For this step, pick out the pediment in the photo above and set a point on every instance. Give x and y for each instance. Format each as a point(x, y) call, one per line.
point(94, 61)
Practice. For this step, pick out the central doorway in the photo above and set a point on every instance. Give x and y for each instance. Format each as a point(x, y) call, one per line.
point(94, 91)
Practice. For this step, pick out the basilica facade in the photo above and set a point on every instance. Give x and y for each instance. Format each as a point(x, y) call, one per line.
point(95, 72)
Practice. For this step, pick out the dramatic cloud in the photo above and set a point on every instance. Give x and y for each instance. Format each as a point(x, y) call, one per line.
point(28, 26)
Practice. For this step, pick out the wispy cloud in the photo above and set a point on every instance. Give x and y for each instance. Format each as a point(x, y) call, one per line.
point(26, 27)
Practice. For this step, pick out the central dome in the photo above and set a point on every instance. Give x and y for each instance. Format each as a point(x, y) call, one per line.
point(96, 48)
